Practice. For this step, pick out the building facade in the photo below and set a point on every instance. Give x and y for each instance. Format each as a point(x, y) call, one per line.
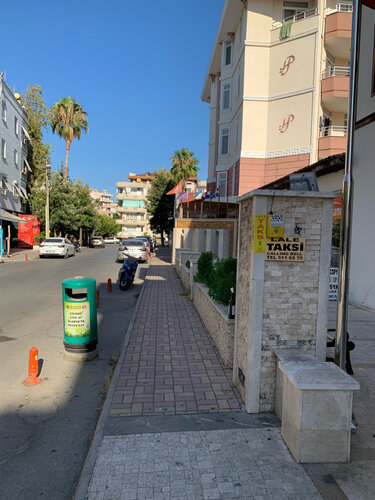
point(106, 204)
point(131, 196)
point(13, 151)
point(277, 85)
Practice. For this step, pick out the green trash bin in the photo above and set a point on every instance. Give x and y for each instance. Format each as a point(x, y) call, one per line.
point(80, 315)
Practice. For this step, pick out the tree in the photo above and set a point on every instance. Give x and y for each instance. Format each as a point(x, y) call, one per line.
point(68, 120)
point(106, 226)
point(159, 204)
point(184, 165)
point(38, 116)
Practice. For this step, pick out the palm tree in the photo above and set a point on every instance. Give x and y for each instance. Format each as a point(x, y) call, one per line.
point(184, 165)
point(68, 120)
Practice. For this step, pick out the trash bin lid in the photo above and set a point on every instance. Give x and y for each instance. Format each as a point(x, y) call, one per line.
point(79, 282)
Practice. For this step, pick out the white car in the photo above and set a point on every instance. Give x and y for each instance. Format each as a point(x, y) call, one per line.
point(132, 248)
point(62, 247)
point(111, 239)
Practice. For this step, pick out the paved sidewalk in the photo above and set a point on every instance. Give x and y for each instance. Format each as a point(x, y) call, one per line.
point(172, 425)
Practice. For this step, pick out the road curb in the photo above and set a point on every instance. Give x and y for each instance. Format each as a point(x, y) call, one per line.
point(88, 468)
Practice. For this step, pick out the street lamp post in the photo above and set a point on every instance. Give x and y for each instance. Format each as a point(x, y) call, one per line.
point(48, 171)
point(1, 234)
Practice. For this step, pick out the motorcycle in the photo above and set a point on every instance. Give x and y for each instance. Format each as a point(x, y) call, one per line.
point(77, 247)
point(127, 272)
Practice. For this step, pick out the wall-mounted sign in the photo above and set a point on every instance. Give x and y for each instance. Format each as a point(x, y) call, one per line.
point(275, 226)
point(333, 282)
point(285, 125)
point(288, 61)
point(258, 234)
point(288, 249)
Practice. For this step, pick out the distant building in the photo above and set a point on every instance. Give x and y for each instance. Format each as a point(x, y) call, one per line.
point(277, 84)
point(107, 205)
point(13, 151)
point(131, 196)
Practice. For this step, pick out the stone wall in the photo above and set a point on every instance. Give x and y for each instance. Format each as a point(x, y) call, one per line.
point(185, 278)
point(280, 304)
point(215, 319)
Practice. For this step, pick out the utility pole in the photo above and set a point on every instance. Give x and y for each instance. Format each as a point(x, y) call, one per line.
point(48, 171)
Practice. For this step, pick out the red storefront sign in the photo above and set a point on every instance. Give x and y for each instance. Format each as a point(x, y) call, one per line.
point(28, 230)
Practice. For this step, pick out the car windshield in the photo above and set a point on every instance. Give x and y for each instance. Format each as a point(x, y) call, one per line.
point(53, 240)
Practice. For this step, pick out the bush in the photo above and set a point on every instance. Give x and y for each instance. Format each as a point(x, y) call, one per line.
point(223, 279)
point(187, 264)
point(205, 268)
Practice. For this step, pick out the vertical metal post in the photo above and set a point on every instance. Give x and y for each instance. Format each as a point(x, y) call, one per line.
point(1, 234)
point(47, 200)
point(346, 216)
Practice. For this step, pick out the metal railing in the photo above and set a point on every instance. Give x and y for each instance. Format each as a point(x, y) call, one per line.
point(333, 131)
point(336, 71)
point(300, 16)
point(339, 7)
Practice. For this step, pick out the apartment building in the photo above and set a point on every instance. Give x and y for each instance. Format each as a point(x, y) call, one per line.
point(13, 151)
point(106, 204)
point(131, 196)
point(277, 85)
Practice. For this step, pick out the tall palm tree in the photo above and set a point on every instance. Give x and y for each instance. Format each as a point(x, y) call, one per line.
point(184, 165)
point(68, 120)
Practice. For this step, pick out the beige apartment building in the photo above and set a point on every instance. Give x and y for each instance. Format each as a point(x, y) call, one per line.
point(131, 197)
point(106, 204)
point(277, 85)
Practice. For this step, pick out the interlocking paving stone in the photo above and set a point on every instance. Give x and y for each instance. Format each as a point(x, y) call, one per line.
point(170, 364)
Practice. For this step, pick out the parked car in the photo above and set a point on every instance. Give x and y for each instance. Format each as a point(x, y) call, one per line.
point(111, 239)
point(62, 247)
point(96, 241)
point(146, 240)
point(132, 248)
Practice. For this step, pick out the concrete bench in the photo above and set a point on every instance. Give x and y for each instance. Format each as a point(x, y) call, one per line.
point(316, 408)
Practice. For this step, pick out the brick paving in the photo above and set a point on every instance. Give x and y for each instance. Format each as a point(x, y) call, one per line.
point(170, 366)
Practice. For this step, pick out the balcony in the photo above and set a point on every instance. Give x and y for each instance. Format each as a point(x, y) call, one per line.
point(301, 23)
point(335, 88)
point(332, 140)
point(129, 210)
point(132, 222)
point(130, 196)
point(338, 29)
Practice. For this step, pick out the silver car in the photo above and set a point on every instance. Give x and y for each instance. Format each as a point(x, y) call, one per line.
point(132, 248)
point(61, 247)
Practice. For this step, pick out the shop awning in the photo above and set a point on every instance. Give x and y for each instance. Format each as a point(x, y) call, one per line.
point(11, 217)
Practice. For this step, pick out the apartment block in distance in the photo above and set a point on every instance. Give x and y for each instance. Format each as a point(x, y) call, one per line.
point(106, 204)
point(13, 151)
point(131, 197)
point(277, 85)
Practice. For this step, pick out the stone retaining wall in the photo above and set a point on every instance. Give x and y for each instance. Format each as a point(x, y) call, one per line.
point(184, 273)
point(215, 319)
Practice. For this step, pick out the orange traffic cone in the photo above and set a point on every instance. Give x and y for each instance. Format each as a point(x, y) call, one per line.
point(149, 254)
point(26, 258)
point(97, 298)
point(32, 379)
point(109, 285)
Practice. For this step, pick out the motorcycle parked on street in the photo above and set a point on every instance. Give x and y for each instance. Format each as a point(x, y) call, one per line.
point(127, 272)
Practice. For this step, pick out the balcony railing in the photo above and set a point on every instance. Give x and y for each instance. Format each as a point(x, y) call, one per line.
point(333, 131)
point(339, 7)
point(336, 71)
point(300, 16)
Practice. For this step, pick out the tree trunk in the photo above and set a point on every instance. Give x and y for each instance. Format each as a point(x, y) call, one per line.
point(162, 237)
point(80, 237)
point(66, 170)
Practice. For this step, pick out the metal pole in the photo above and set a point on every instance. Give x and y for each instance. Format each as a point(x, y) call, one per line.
point(47, 202)
point(1, 234)
point(347, 201)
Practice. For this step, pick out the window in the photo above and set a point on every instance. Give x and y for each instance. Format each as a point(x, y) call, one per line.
point(3, 149)
point(3, 111)
point(16, 125)
point(224, 147)
point(226, 96)
point(222, 183)
point(15, 156)
point(227, 53)
point(291, 9)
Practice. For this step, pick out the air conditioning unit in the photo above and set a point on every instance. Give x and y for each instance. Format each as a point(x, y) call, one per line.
point(3, 191)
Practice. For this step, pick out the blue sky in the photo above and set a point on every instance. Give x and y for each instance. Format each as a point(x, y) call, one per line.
point(137, 67)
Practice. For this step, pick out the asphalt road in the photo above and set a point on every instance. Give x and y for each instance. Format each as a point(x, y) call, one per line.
point(46, 429)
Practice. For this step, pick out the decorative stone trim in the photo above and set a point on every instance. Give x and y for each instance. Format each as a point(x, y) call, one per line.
point(302, 150)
